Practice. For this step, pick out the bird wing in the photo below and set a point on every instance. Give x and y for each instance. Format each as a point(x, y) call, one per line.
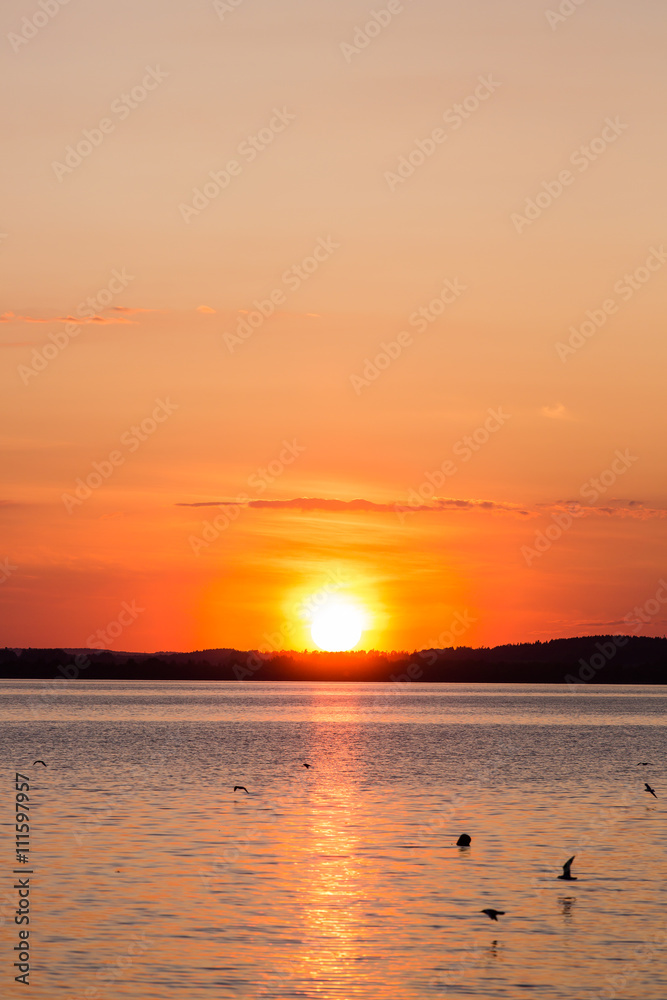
point(568, 865)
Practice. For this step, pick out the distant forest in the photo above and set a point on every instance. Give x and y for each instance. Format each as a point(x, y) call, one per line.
point(602, 659)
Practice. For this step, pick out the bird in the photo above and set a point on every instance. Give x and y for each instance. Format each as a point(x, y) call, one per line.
point(464, 840)
point(493, 914)
point(647, 788)
point(39, 762)
point(241, 788)
point(644, 763)
point(307, 765)
point(566, 876)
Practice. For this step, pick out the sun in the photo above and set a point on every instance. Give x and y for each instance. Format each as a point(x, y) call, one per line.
point(337, 626)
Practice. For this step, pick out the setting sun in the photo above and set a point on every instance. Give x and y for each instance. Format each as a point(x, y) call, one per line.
point(337, 626)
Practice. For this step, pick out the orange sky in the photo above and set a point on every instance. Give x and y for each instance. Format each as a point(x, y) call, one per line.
point(306, 254)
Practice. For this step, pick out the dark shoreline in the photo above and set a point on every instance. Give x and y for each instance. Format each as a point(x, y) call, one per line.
point(601, 659)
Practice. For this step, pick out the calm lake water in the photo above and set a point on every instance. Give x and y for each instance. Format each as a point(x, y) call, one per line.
point(153, 879)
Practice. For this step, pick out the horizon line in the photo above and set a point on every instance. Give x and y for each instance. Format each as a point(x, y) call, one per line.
point(344, 652)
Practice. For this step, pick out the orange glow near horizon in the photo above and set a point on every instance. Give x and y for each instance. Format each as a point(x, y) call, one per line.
point(337, 626)
point(370, 361)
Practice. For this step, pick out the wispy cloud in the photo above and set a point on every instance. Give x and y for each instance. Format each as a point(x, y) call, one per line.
point(617, 623)
point(619, 508)
point(614, 507)
point(556, 412)
point(131, 310)
point(119, 315)
point(10, 317)
point(359, 504)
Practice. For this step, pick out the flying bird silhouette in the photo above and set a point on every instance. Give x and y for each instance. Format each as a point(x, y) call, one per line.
point(241, 788)
point(647, 788)
point(464, 841)
point(566, 876)
point(493, 914)
point(307, 765)
point(644, 763)
point(39, 762)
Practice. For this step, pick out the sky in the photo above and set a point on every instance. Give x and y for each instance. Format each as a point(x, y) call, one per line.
point(310, 302)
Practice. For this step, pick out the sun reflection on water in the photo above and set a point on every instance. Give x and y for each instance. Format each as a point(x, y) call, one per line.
point(335, 877)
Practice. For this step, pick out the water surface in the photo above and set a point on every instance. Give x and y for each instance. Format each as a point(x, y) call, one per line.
point(154, 880)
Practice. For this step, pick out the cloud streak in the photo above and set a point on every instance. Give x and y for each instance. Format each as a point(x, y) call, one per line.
point(614, 507)
point(620, 508)
point(357, 505)
point(131, 310)
point(10, 317)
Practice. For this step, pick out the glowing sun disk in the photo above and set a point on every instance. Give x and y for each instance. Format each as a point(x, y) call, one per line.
point(337, 626)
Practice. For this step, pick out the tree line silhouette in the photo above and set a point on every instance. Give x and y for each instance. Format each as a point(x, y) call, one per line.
point(589, 659)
